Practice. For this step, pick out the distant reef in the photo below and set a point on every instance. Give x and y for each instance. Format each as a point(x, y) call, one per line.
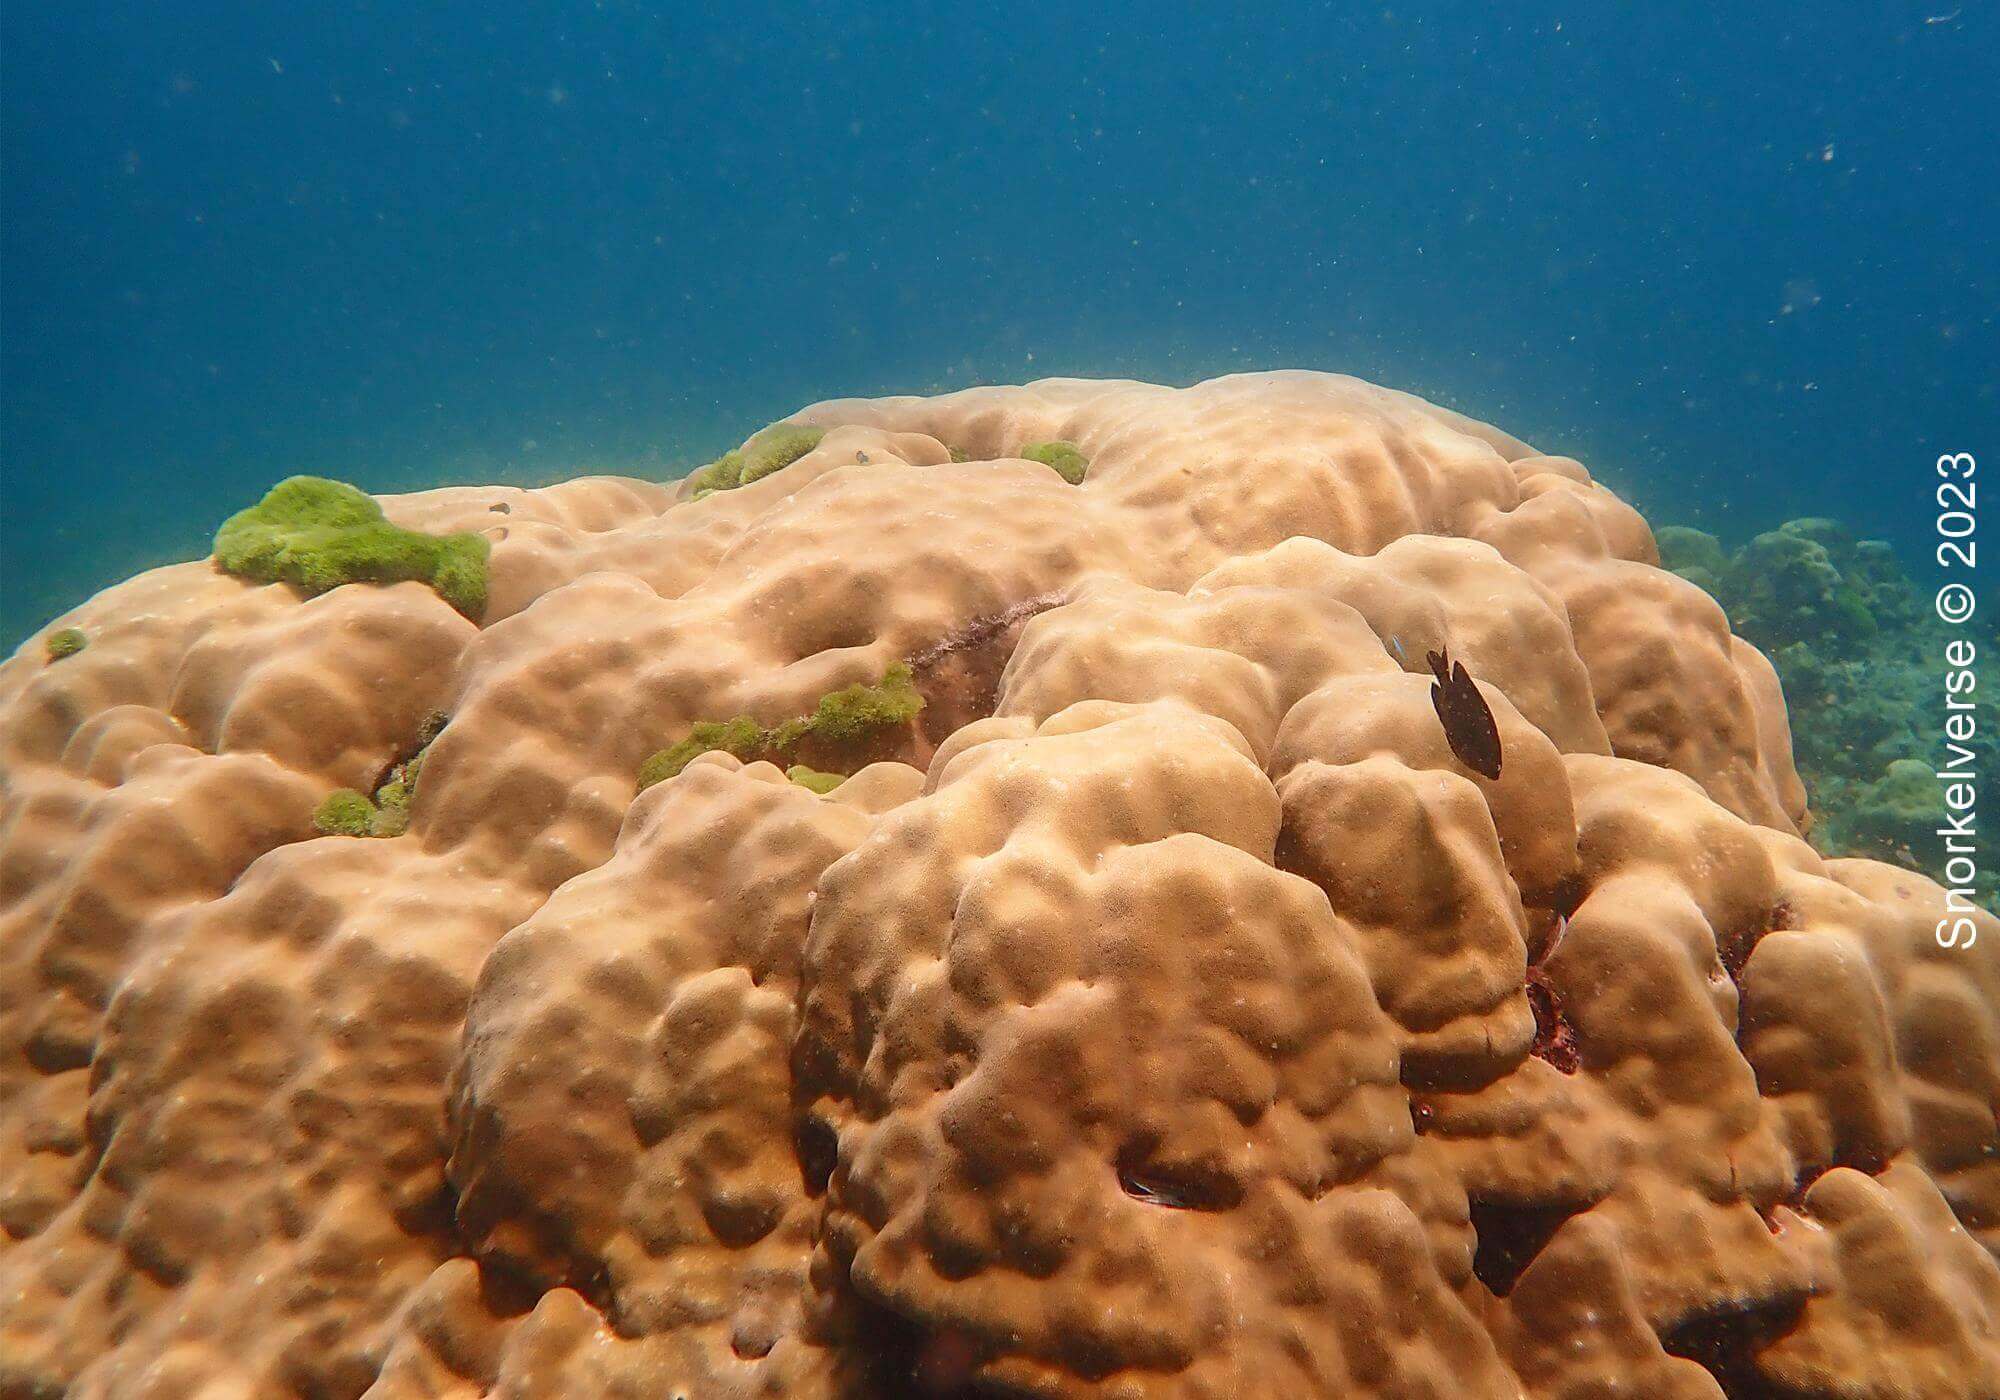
point(1862, 658)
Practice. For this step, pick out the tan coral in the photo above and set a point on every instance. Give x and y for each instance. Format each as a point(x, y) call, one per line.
point(623, 1113)
point(1243, 654)
point(1137, 1067)
point(1165, 1011)
point(1423, 594)
point(1911, 1309)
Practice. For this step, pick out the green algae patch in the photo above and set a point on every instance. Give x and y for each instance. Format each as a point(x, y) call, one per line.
point(346, 812)
point(853, 714)
point(769, 450)
point(319, 534)
point(1068, 461)
point(393, 799)
point(742, 736)
point(812, 780)
point(67, 642)
point(843, 717)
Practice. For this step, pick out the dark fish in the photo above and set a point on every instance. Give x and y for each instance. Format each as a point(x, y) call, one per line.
point(1157, 1193)
point(1465, 715)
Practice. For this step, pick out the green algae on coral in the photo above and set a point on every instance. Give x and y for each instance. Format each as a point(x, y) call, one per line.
point(393, 798)
point(399, 789)
point(1069, 463)
point(349, 813)
point(860, 710)
point(345, 812)
point(845, 716)
point(67, 642)
point(319, 534)
point(742, 736)
point(812, 780)
point(776, 448)
point(769, 450)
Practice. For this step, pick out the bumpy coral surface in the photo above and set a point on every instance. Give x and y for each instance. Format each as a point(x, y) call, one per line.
point(1158, 1009)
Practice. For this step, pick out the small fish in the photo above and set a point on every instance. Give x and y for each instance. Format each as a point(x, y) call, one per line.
point(1397, 643)
point(1156, 1193)
point(1468, 721)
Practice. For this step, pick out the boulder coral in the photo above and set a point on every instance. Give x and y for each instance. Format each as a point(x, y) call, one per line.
point(1134, 997)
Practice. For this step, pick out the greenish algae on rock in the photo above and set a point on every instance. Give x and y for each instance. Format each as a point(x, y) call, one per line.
point(768, 450)
point(346, 812)
point(1070, 464)
point(848, 716)
point(319, 534)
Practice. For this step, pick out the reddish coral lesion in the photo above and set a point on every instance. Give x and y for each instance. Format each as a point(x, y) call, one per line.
point(1555, 1038)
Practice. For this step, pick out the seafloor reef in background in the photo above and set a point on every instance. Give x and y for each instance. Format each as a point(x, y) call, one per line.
point(1862, 657)
point(1119, 990)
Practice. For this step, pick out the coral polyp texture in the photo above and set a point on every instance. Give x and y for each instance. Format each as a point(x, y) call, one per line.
point(1121, 989)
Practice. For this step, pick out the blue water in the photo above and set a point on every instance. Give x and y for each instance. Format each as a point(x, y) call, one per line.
point(1744, 264)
